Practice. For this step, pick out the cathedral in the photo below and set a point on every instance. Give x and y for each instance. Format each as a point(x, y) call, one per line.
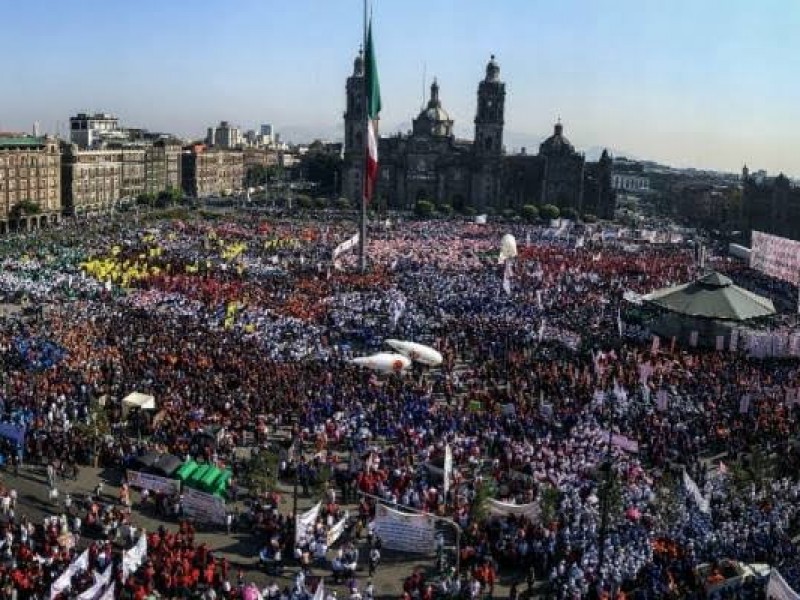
point(430, 163)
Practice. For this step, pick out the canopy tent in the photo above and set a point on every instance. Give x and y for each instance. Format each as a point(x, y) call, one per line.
point(706, 311)
point(145, 461)
point(208, 478)
point(186, 470)
point(712, 296)
point(138, 400)
point(167, 465)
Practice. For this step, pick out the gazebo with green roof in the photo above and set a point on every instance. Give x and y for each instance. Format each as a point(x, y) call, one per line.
point(711, 305)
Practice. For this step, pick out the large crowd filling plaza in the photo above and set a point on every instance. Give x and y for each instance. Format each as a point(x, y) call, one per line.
point(224, 405)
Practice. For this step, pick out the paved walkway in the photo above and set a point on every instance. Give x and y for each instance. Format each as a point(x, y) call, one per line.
point(240, 548)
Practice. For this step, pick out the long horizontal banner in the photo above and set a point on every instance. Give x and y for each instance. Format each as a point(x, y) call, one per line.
point(504, 509)
point(154, 483)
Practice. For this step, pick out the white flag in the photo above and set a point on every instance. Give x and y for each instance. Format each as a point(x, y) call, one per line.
point(507, 278)
point(448, 468)
point(109, 593)
point(319, 594)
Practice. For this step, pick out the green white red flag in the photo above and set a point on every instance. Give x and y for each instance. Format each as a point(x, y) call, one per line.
point(373, 108)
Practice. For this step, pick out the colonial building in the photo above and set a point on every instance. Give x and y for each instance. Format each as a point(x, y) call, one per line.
point(211, 172)
point(91, 180)
point(30, 188)
point(430, 163)
point(162, 162)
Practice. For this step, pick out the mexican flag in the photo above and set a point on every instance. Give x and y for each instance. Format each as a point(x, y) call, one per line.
point(373, 108)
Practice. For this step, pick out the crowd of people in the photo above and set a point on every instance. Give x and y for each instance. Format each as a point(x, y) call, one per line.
point(249, 328)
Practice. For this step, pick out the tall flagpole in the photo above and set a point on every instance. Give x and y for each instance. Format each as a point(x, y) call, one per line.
point(362, 238)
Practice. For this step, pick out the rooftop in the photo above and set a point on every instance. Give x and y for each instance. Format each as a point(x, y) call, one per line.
point(21, 140)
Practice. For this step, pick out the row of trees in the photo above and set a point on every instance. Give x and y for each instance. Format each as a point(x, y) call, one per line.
point(162, 199)
point(425, 209)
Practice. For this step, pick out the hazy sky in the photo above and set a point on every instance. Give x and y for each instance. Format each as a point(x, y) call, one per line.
point(709, 83)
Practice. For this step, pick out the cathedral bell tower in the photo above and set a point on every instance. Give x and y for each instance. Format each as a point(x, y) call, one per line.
point(355, 128)
point(489, 116)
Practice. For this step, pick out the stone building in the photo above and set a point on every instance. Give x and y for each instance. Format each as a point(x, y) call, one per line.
point(30, 182)
point(430, 163)
point(162, 167)
point(211, 172)
point(92, 180)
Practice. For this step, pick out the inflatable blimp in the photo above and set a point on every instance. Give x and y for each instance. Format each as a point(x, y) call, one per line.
point(385, 362)
point(417, 352)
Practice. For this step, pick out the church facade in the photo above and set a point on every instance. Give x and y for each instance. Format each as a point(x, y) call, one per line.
point(430, 163)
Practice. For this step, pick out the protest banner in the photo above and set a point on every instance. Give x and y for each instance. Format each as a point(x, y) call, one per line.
point(101, 580)
point(134, 557)
point(204, 507)
point(306, 520)
point(403, 531)
point(694, 493)
point(335, 532)
point(776, 256)
point(154, 483)
point(778, 589)
point(496, 508)
point(65, 579)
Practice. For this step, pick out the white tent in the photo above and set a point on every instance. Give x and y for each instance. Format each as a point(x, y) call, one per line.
point(138, 400)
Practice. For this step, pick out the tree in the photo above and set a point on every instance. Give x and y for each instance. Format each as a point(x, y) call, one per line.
point(261, 471)
point(569, 213)
point(509, 213)
point(322, 168)
point(445, 210)
point(549, 211)
point(320, 203)
point(423, 209)
point(303, 201)
point(548, 503)
point(530, 212)
point(483, 493)
point(343, 204)
point(145, 199)
point(589, 218)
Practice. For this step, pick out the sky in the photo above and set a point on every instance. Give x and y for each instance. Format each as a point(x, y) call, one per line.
point(704, 83)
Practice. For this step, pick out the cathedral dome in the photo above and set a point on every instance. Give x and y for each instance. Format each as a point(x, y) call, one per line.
point(433, 118)
point(434, 114)
point(557, 143)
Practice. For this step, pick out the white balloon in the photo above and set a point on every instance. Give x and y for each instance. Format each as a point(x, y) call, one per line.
point(385, 362)
point(508, 247)
point(418, 352)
